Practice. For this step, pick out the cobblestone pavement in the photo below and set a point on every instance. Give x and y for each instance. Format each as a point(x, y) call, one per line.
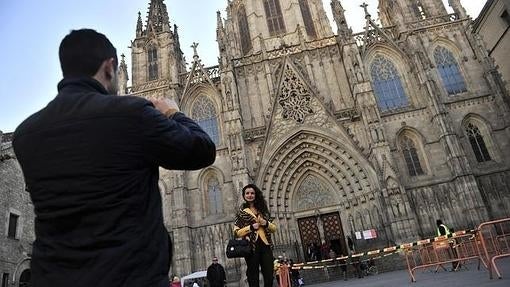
point(467, 276)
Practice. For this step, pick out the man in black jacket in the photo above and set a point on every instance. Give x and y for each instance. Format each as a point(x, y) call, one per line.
point(216, 274)
point(90, 161)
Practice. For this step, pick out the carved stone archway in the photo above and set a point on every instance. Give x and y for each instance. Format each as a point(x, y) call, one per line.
point(350, 179)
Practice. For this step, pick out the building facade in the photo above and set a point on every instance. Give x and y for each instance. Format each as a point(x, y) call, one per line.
point(388, 129)
point(16, 219)
point(492, 25)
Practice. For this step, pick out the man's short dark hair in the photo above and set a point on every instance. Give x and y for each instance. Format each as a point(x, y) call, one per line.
point(83, 51)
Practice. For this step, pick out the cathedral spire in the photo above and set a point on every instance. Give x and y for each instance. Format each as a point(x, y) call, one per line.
point(219, 21)
point(139, 25)
point(157, 17)
point(458, 8)
point(339, 16)
point(123, 76)
point(220, 32)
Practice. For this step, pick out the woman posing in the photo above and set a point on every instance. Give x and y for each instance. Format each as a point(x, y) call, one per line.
point(252, 222)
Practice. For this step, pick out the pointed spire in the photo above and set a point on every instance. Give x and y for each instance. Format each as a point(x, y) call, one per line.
point(123, 76)
point(139, 25)
point(339, 16)
point(176, 34)
point(220, 32)
point(219, 21)
point(368, 18)
point(195, 53)
point(458, 8)
point(157, 17)
point(365, 9)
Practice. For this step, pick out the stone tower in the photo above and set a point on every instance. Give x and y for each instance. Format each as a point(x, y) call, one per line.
point(156, 55)
point(388, 129)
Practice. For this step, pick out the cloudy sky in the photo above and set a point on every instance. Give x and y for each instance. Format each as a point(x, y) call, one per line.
point(32, 30)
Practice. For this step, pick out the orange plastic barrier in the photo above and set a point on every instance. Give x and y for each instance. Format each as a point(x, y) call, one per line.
point(437, 252)
point(494, 237)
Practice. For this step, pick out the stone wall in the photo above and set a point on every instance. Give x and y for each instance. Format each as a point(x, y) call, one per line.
point(14, 199)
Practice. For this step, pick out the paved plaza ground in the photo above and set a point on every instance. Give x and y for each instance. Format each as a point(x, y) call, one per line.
point(468, 276)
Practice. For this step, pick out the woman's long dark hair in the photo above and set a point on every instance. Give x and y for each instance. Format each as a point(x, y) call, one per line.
point(260, 203)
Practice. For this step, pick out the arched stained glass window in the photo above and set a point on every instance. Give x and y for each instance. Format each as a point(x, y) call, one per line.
point(244, 30)
point(388, 87)
point(204, 113)
point(477, 143)
point(274, 17)
point(448, 68)
point(152, 63)
point(214, 196)
point(411, 156)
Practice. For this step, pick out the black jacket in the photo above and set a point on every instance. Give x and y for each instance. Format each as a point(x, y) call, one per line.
point(90, 162)
point(216, 275)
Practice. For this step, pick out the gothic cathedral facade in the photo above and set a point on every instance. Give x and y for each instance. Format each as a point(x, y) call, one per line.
point(388, 129)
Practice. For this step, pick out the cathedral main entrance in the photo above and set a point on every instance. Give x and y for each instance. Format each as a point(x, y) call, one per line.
point(317, 230)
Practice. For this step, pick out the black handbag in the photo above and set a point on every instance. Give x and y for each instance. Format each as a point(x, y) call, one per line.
point(237, 248)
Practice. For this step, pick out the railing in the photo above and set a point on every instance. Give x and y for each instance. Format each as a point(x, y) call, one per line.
point(374, 36)
point(494, 237)
point(431, 21)
point(457, 250)
point(213, 73)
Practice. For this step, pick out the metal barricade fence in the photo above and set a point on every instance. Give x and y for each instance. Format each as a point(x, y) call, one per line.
point(494, 238)
point(488, 243)
point(456, 249)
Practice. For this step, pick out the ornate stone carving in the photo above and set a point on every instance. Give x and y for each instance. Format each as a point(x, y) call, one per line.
point(295, 98)
point(312, 193)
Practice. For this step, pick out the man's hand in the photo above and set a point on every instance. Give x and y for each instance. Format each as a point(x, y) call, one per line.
point(255, 226)
point(166, 106)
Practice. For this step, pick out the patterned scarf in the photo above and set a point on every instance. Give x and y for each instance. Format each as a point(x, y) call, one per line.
point(243, 219)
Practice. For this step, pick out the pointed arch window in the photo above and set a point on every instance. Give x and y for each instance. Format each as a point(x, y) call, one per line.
point(477, 143)
point(204, 113)
point(448, 68)
point(274, 17)
point(411, 156)
point(152, 63)
point(307, 18)
point(388, 87)
point(244, 31)
point(214, 196)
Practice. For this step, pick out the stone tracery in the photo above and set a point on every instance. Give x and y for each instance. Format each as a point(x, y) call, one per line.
point(307, 153)
point(295, 98)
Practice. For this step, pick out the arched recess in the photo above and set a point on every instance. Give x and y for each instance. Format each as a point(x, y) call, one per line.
point(211, 185)
point(304, 152)
point(25, 278)
point(416, 162)
point(244, 30)
point(313, 192)
point(196, 93)
point(478, 134)
point(458, 57)
point(206, 114)
point(402, 65)
point(152, 61)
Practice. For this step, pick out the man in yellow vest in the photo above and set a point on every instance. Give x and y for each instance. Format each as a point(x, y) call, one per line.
point(442, 229)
